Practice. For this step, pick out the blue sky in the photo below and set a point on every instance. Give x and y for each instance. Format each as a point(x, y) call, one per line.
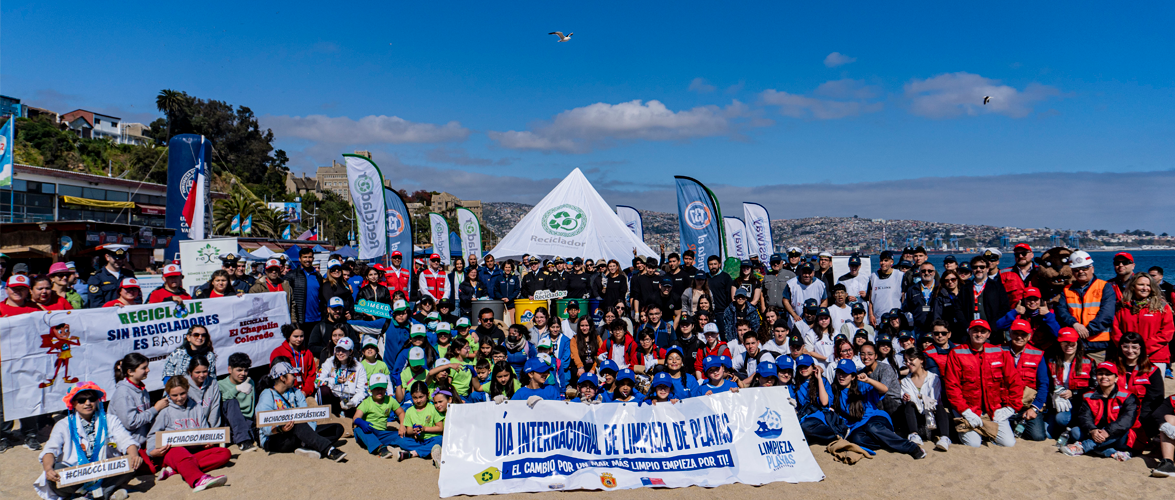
point(813, 109)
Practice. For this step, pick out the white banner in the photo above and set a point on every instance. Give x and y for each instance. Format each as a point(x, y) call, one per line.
point(758, 224)
point(470, 229)
point(43, 354)
point(632, 219)
point(367, 195)
point(93, 471)
point(750, 437)
point(200, 258)
point(438, 230)
point(736, 238)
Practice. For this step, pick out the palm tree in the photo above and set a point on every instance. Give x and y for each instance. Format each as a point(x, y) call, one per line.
point(269, 222)
point(224, 210)
point(171, 102)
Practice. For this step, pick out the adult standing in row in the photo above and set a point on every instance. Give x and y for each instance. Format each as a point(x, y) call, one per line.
point(104, 284)
point(305, 283)
point(884, 291)
point(1090, 306)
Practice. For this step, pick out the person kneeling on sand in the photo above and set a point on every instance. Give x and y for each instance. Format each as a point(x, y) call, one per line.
point(1103, 418)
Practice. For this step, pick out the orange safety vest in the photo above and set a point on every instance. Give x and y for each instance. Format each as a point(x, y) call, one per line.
point(1085, 308)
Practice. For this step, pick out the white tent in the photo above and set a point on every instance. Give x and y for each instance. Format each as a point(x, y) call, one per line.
point(572, 221)
point(262, 252)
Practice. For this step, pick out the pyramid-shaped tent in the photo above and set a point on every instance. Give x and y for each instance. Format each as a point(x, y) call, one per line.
point(572, 221)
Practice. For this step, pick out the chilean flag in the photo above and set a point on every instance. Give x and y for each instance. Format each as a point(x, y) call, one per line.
point(194, 206)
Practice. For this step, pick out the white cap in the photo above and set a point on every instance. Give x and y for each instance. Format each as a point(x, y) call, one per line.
point(333, 263)
point(345, 343)
point(794, 250)
point(710, 327)
point(336, 302)
point(400, 305)
point(369, 340)
point(544, 357)
point(440, 362)
point(417, 327)
point(826, 254)
point(1080, 259)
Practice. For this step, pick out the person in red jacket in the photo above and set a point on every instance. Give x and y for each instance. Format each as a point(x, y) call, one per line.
point(1020, 276)
point(395, 276)
point(714, 346)
point(1143, 311)
point(620, 347)
point(129, 294)
point(1103, 418)
point(173, 286)
point(982, 379)
point(297, 353)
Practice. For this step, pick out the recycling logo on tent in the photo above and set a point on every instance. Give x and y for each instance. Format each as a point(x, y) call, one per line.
point(565, 220)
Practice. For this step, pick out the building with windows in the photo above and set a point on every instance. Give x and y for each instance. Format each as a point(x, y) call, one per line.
point(446, 204)
point(91, 125)
point(334, 178)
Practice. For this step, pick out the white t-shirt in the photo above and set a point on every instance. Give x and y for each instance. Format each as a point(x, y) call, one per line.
point(886, 293)
point(618, 355)
point(854, 286)
point(824, 347)
point(840, 316)
point(751, 363)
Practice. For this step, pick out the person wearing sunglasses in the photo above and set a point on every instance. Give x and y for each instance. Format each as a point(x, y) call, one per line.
point(487, 330)
point(920, 298)
point(86, 435)
point(982, 298)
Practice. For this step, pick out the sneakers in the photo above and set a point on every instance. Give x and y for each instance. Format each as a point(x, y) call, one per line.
point(915, 438)
point(307, 452)
point(436, 455)
point(119, 494)
point(335, 454)
point(1169, 374)
point(1073, 450)
point(209, 482)
point(921, 454)
point(943, 444)
point(246, 447)
point(1166, 468)
point(4, 446)
point(1121, 456)
point(404, 455)
point(164, 473)
point(384, 452)
point(32, 443)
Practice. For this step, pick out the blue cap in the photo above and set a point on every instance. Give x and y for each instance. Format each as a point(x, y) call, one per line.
point(855, 260)
point(662, 379)
point(626, 374)
point(700, 276)
point(776, 258)
point(805, 360)
point(847, 366)
point(883, 338)
point(336, 302)
point(950, 258)
point(711, 362)
point(726, 361)
point(895, 312)
point(741, 292)
point(745, 263)
point(673, 348)
point(861, 332)
point(535, 365)
point(590, 378)
point(812, 305)
point(905, 334)
point(609, 365)
point(886, 255)
point(785, 363)
point(666, 282)
point(767, 369)
point(905, 263)
point(823, 311)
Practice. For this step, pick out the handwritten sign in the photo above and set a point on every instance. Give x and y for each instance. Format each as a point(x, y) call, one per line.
point(377, 309)
point(292, 415)
point(192, 437)
point(93, 471)
point(549, 295)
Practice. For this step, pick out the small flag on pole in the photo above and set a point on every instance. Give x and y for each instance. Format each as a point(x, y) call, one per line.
point(286, 233)
point(235, 227)
point(247, 228)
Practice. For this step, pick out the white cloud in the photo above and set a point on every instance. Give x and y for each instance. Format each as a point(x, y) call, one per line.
point(701, 86)
point(954, 94)
point(366, 130)
point(838, 99)
point(837, 59)
point(601, 124)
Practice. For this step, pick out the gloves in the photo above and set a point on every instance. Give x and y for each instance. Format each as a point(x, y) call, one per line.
point(244, 387)
point(1168, 430)
point(365, 425)
point(792, 402)
point(597, 401)
point(499, 399)
point(602, 357)
point(930, 403)
point(1062, 404)
point(533, 400)
point(972, 419)
point(1003, 414)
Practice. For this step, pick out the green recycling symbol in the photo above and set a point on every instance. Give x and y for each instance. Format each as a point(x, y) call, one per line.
point(565, 220)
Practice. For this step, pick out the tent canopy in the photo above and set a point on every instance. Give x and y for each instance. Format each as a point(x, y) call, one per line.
point(348, 251)
point(263, 252)
point(572, 221)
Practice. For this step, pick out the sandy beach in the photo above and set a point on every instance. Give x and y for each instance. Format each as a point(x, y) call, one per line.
point(1028, 470)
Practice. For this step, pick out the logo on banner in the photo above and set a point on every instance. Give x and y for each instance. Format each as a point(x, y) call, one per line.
point(697, 215)
point(486, 476)
point(207, 254)
point(608, 480)
point(470, 227)
point(186, 182)
point(565, 220)
point(770, 425)
point(395, 223)
point(364, 184)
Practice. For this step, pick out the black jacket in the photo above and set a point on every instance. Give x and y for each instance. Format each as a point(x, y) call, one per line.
point(579, 285)
point(342, 291)
point(377, 293)
point(297, 279)
point(320, 337)
point(613, 290)
point(1083, 416)
point(995, 306)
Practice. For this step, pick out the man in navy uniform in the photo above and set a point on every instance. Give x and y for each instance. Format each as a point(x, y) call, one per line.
point(103, 284)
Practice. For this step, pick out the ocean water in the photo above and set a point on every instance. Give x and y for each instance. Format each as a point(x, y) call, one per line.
point(1103, 262)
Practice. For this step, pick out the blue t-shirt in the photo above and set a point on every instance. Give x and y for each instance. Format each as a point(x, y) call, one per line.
point(548, 393)
point(312, 314)
point(706, 387)
point(355, 282)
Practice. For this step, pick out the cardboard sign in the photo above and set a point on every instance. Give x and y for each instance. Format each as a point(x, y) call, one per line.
point(377, 309)
point(192, 437)
point(94, 471)
point(549, 295)
point(292, 415)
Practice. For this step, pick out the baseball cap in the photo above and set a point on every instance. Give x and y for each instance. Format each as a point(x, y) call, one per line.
point(857, 308)
point(129, 283)
point(369, 340)
point(1032, 292)
point(609, 365)
point(823, 311)
point(419, 262)
point(664, 282)
point(333, 263)
point(577, 261)
point(883, 338)
point(785, 363)
point(173, 270)
point(400, 305)
point(19, 280)
point(444, 327)
point(1080, 259)
point(69, 264)
point(434, 316)
point(345, 343)
point(806, 267)
point(625, 374)
point(711, 362)
point(589, 378)
point(464, 322)
point(776, 258)
point(58, 267)
point(418, 330)
point(805, 360)
point(701, 276)
point(965, 267)
point(1107, 366)
point(741, 292)
point(979, 323)
point(336, 302)
point(434, 257)
point(663, 379)
point(378, 380)
point(745, 263)
point(1068, 335)
point(674, 348)
point(811, 305)
point(765, 369)
point(846, 366)
point(905, 263)
point(709, 328)
point(544, 342)
point(1023, 246)
point(574, 304)
point(440, 362)
point(950, 258)
point(855, 260)
point(396, 253)
point(1118, 256)
point(416, 357)
point(1021, 326)
point(885, 255)
point(861, 332)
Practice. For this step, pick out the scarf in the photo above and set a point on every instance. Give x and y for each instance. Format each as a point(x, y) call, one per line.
point(515, 346)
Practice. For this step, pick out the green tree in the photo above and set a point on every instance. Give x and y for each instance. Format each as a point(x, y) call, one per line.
point(172, 103)
point(224, 210)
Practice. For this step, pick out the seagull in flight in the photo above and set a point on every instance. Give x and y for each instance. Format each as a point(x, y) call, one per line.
point(986, 99)
point(561, 37)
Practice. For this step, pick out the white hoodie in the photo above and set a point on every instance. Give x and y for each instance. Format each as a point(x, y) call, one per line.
point(60, 444)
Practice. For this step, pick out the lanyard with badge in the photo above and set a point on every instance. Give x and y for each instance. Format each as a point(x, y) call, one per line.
point(977, 290)
point(926, 292)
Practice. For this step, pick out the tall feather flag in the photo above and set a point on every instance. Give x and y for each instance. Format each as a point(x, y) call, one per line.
point(247, 227)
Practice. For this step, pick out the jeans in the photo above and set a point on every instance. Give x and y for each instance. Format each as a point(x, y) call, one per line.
point(303, 436)
point(1047, 425)
point(877, 433)
point(1004, 436)
point(241, 427)
point(1105, 448)
point(373, 440)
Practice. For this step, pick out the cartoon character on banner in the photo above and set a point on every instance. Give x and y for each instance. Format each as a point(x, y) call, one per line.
point(58, 341)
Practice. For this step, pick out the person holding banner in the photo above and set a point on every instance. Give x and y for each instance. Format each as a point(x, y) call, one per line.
point(86, 435)
point(173, 286)
point(716, 376)
point(536, 387)
point(588, 390)
point(196, 342)
point(296, 352)
point(191, 462)
point(303, 438)
point(625, 388)
point(45, 297)
point(683, 383)
point(19, 300)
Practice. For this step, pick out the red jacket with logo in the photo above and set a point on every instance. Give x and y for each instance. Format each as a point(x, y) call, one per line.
point(1156, 329)
point(1080, 375)
point(1030, 359)
point(983, 381)
point(396, 279)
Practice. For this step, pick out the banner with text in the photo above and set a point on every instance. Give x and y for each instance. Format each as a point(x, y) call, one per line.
point(470, 229)
point(366, 183)
point(399, 226)
point(750, 437)
point(438, 229)
point(736, 238)
point(632, 219)
point(699, 220)
point(758, 224)
point(56, 349)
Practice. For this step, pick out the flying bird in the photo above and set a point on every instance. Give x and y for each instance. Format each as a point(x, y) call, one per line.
point(561, 37)
point(986, 99)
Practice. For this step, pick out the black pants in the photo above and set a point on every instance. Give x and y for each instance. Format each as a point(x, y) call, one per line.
point(303, 436)
point(878, 433)
point(328, 397)
point(916, 421)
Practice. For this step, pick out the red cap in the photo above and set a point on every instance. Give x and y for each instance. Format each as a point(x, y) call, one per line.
point(379, 267)
point(18, 280)
point(129, 283)
point(434, 257)
point(1024, 246)
point(1107, 366)
point(172, 270)
point(1021, 326)
point(979, 322)
point(272, 263)
point(1125, 255)
point(1068, 335)
point(396, 253)
point(419, 262)
point(1032, 292)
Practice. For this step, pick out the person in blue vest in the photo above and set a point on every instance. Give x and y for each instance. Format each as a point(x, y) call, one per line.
point(518, 348)
point(561, 352)
point(536, 387)
point(857, 399)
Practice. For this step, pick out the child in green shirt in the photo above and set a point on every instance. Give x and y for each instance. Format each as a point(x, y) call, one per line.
point(237, 401)
point(372, 417)
point(371, 362)
point(423, 425)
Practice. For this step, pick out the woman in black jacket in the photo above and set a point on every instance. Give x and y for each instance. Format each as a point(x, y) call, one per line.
point(614, 286)
point(950, 306)
point(374, 291)
point(333, 285)
point(468, 290)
